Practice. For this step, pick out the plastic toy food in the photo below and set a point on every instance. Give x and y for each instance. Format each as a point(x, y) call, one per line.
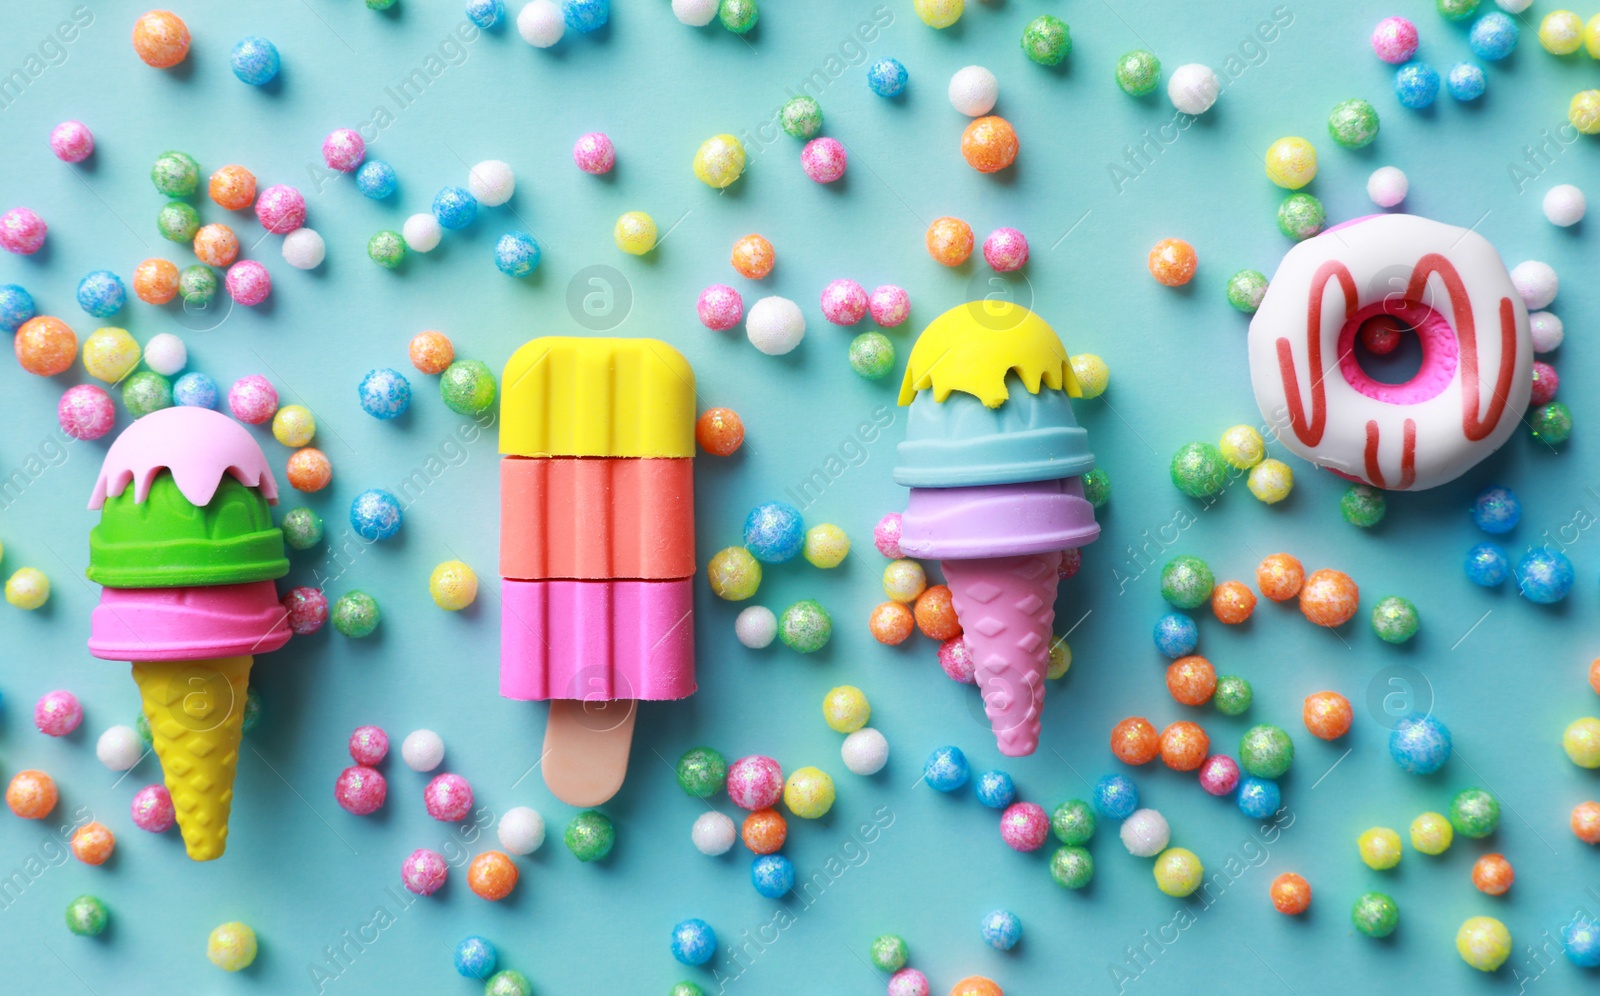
point(1446, 284)
point(187, 553)
point(596, 546)
point(993, 457)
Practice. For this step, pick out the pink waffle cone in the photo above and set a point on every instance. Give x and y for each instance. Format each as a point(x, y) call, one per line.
point(1005, 606)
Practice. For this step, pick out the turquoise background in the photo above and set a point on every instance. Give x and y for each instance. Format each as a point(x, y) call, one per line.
point(1506, 675)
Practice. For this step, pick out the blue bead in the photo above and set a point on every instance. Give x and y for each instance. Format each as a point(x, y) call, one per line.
point(375, 514)
point(774, 532)
point(1466, 81)
point(1176, 635)
point(887, 77)
point(1416, 84)
point(584, 16)
point(1116, 796)
point(196, 390)
point(486, 13)
point(1487, 565)
point(1002, 930)
point(376, 179)
point(693, 942)
point(1259, 798)
point(475, 958)
point(455, 208)
point(16, 307)
point(1581, 938)
point(516, 254)
point(1494, 36)
point(102, 294)
point(1496, 510)
point(385, 394)
point(1544, 575)
point(996, 789)
point(946, 769)
point(772, 875)
point(255, 61)
point(1420, 745)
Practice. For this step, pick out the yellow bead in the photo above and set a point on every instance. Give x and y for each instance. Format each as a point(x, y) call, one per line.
point(1582, 742)
point(1243, 447)
point(293, 425)
point(904, 580)
point(809, 793)
point(719, 161)
point(1291, 162)
point(1484, 943)
point(110, 354)
point(1178, 871)
point(939, 13)
point(1271, 481)
point(1060, 660)
point(1092, 373)
point(826, 545)
point(1561, 32)
point(453, 585)
point(1432, 834)
point(1591, 37)
point(232, 946)
point(1380, 848)
point(1584, 112)
point(28, 588)
point(846, 709)
point(635, 233)
point(734, 574)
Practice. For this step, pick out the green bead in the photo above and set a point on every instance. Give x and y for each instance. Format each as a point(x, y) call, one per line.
point(1138, 73)
point(1187, 581)
point(302, 528)
point(872, 355)
point(252, 710)
point(1353, 123)
point(1474, 813)
point(702, 772)
point(687, 988)
point(1233, 695)
point(1046, 40)
point(198, 285)
point(805, 626)
point(1457, 10)
point(1301, 216)
point(467, 387)
point(1246, 289)
point(1073, 822)
point(590, 836)
point(175, 174)
point(356, 614)
point(1265, 751)
point(1395, 620)
point(508, 982)
point(1363, 505)
point(387, 249)
point(802, 117)
point(1072, 867)
point(87, 916)
point(141, 726)
point(146, 392)
point(1375, 915)
point(1552, 423)
point(889, 953)
point(380, 4)
point(1199, 471)
point(178, 222)
point(738, 16)
point(1096, 487)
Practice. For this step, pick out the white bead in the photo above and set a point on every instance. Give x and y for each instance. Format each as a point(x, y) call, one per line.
point(119, 748)
point(1387, 186)
point(521, 830)
point(1546, 330)
point(491, 182)
point(1145, 833)
point(775, 325)
point(695, 13)
point(166, 354)
point(540, 24)
point(865, 751)
point(1537, 283)
point(973, 91)
point(1564, 205)
point(422, 232)
point(1514, 6)
point(714, 834)
point(423, 750)
point(1193, 88)
point(756, 627)
point(304, 249)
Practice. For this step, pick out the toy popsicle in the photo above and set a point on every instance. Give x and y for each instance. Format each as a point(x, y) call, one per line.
point(596, 546)
point(993, 457)
point(186, 553)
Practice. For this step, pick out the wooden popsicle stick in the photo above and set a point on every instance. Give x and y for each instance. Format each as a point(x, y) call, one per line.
point(586, 747)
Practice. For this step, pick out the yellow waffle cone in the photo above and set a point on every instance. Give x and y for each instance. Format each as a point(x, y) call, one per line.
point(196, 715)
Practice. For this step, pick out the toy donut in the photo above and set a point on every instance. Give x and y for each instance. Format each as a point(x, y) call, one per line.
point(1445, 283)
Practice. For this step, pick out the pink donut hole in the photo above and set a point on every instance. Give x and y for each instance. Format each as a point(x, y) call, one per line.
point(86, 412)
point(594, 153)
point(720, 307)
point(1545, 383)
point(248, 282)
point(361, 790)
point(755, 782)
point(343, 150)
point(448, 798)
point(1394, 40)
point(424, 871)
point(72, 141)
point(957, 662)
point(369, 745)
point(823, 159)
point(909, 982)
point(22, 231)
point(253, 399)
point(890, 306)
point(153, 810)
point(57, 713)
point(1006, 249)
point(844, 302)
point(1219, 775)
point(1024, 826)
point(886, 536)
point(281, 209)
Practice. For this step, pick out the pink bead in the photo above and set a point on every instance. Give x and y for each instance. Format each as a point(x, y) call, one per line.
point(1394, 40)
point(1024, 826)
point(307, 609)
point(1219, 775)
point(281, 209)
point(844, 302)
point(720, 307)
point(248, 282)
point(1005, 249)
point(908, 982)
point(86, 412)
point(361, 790)
point(424, 871)
point(253, 399)
point(890, 305)
point(823, 159)
point(22, 231)
point(1071, 563)
point(886, 536)
point(957, 661)
point(1545, 383)
point(71, 141)
point(57, 713)
point(343, 150)
point(369, 745)
point(755, 782)
point(153, 810)
point(594, 153)
point(448, 798)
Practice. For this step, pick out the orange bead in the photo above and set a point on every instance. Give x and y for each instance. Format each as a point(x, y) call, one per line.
point(891, 623)
point(309, 470)
point(492, 875)
point(977, 985)
point(1492, 874)
point(1586, 822)
point(155, 281)
point(1184, 746)
point(1594, 675)
point(233, 187)
point(989, 144)
point(764, 831)
point(45, 346)
point(216, 245)
point(1191, 680)
point(432, 352)
point(1135, 741)
point(936, 615)
point(31, 794)
point(92, 843)
point(1232, 602)
point(719, 431)
point(1291, 894)
point(1280, 577)
point(949, 241)
point(1327, 715)
point(753, 257)
point(161, 38)
point(1172, 262)
point(1329, 597)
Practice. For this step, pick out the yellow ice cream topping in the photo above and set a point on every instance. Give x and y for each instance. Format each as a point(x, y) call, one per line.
point(974, 346)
